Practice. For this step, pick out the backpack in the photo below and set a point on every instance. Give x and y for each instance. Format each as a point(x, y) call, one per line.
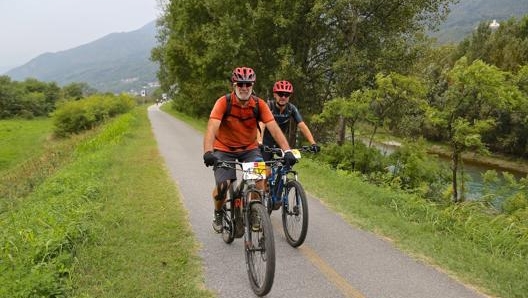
point(256, 112)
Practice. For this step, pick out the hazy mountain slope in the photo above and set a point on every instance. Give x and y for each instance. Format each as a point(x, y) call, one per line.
point(117, 62)
point(120, 61)
point(467, 14)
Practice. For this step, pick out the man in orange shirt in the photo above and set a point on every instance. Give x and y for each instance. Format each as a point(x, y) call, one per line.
point(234, 136)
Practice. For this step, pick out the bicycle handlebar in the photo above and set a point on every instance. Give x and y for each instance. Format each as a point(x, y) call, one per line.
point(250, 170)
point(280, 153)
point(225, 164)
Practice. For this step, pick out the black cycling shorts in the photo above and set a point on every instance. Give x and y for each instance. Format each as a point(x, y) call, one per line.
point(223, 174)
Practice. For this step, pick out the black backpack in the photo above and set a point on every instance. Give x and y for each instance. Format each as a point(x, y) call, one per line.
point(256, 112)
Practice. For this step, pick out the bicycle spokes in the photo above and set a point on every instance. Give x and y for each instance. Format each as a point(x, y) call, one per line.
point(260, 250)
point(295, 214)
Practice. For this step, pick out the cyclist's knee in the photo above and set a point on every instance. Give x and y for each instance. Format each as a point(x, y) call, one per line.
point(260, 184)
point(221, 191)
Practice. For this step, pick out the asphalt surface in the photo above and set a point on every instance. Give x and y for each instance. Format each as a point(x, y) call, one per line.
point(336, 260)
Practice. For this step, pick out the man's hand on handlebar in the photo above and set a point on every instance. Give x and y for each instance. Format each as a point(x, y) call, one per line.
point(315, 148)
point(209, 159)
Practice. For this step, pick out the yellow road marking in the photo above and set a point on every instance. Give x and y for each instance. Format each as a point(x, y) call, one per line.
point(342, 284)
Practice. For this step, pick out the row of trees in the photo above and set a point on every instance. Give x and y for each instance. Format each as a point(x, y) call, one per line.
point(480, 107)
point(327, 49)
point(33, 98)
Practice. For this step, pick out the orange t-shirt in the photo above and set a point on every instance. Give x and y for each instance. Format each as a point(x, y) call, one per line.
point(238, 131)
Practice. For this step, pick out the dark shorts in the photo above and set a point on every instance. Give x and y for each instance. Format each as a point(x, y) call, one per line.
point(222, 174)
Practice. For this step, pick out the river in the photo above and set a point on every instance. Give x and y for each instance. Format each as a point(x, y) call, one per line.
point(474, 184)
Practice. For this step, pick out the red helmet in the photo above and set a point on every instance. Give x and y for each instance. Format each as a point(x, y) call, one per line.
point(283, 86)
point(243, 75)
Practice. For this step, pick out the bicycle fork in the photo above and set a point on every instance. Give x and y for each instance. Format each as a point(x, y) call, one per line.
point(248, 241)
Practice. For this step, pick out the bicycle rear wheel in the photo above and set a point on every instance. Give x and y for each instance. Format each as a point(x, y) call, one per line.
point(295, 214)
point(260, 250)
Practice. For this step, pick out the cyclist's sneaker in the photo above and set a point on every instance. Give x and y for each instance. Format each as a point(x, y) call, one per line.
point(217, 222)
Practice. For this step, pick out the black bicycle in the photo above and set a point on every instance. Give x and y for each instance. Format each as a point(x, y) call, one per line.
point(284, 190)
point(245, 215)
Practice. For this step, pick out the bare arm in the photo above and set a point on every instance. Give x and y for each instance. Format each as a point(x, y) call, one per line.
point(306, 132)
point(277, 135)
point(212, 129)
point(260, 135)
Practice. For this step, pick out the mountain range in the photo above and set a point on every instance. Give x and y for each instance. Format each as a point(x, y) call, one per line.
point(117, 62)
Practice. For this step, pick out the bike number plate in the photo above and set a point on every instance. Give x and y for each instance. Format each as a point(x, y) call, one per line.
point(254, 170)
point(296, 153)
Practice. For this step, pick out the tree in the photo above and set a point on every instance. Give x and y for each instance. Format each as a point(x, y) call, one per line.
point(469, 108)
point(506, 48)
point(8, 97)
point(77, 90)
point(397, 103)
point(349, 111)
point(326, 48)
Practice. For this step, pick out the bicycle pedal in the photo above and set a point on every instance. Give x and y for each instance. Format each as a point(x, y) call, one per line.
point(256, 228)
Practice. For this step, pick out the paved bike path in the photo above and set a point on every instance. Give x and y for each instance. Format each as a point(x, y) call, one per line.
point(336, 260)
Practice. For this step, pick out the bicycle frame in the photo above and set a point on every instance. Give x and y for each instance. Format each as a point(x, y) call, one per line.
point(240, 193)
point(280, 175)
point(287, 192)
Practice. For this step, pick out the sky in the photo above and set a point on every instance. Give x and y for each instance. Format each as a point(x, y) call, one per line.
point(29, 28)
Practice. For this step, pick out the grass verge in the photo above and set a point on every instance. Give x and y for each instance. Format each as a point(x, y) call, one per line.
point(461, 240)
point(143, 246)
point(107, 224)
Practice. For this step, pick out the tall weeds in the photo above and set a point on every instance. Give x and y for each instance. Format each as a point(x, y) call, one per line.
point(39, 236)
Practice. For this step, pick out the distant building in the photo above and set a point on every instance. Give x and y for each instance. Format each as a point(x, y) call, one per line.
point(494, 25)
point(143, 92)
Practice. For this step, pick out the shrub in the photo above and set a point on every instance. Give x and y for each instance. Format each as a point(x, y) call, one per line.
point(417, 171)
point(75, 116)
point(353, 158)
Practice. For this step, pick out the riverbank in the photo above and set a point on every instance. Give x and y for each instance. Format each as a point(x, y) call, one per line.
point(499, 163)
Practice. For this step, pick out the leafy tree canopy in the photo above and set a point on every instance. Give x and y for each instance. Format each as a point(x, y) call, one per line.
point(326, 48)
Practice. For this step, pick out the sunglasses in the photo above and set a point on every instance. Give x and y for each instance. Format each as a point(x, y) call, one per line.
point(283, 94)
point(240, 85)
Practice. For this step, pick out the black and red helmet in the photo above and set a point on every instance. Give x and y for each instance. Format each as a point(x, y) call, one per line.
point(283, 86)
point(243, 75)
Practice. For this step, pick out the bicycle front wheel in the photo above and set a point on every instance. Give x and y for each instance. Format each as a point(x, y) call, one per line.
point(260, 250)
point(295, 214)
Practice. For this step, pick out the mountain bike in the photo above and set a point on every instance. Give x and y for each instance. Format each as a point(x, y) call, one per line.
point(245, 215)
point(284, 190)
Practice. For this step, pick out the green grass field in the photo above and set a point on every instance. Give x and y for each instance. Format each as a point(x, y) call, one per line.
point(22, 139)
